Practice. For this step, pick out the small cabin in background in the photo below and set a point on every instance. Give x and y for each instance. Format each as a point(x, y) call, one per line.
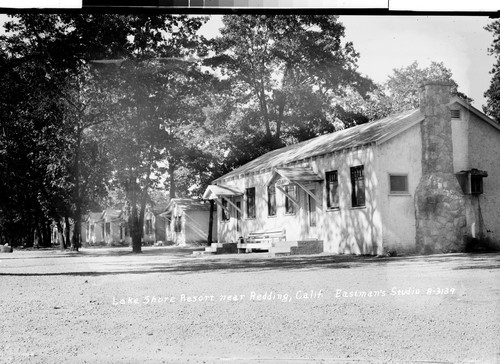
point(92, 229)
point(104, 228)
point(187, 221)
point(110, 227)
point(155, 225)
point(55, 237)
point(113, 225)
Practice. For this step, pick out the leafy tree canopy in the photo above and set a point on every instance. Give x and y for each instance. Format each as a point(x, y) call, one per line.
point(61, 116)
point(492, 107)
point(401, 90)
point(285, 73)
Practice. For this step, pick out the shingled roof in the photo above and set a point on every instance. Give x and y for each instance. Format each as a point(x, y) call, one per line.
point(357, 136)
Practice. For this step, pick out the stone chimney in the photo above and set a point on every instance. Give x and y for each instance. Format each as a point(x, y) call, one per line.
point(439, 200)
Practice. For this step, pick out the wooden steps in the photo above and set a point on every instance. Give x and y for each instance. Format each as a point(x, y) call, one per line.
point(282, 248)
point(278, 248)
point(300, 247)
point(219, 248)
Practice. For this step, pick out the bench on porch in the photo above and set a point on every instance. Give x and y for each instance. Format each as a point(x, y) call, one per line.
point(262, 240)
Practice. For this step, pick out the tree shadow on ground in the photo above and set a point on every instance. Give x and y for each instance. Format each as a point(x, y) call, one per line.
point(98, 252)
point(248, 263)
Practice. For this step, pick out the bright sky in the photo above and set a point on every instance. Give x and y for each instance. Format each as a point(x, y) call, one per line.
point(388, 42)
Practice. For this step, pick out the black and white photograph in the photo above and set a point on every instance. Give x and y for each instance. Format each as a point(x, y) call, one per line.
point(184, 184)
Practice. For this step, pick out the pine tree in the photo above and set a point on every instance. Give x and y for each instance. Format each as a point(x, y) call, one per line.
point(492, 107)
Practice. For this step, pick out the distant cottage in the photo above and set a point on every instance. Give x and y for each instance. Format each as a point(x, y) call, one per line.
point(110, 227)
point(182, 222)
point(188, 221)
point(92, 229)
point(106, 227)
point(113, 226)
point(155, 225)
point(421, 181)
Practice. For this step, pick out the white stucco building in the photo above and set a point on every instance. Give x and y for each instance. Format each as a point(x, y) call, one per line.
point(188, 221)
point(420, 181)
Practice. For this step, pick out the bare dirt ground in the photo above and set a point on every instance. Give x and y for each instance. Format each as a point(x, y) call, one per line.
point(168, 306)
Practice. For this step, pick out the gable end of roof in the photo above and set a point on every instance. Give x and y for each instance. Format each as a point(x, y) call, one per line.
point(478, 113)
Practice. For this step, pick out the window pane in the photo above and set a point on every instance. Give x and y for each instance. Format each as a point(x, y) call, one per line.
point(271, 200)
point(360, 192)
point(238, 214)
point(149, 227)
point(358, 186)
point(312, 209)
point(250, 192)
point(399, 183)
point(289, 205)
point(332, 195)
point(225, 214)
point(177, 224)
point(476, 184)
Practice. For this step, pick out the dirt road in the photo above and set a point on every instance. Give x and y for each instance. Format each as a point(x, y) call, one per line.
point(166, 305)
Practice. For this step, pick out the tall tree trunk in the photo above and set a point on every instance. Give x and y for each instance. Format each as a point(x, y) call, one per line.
point(75, 242)
point(142, 211)
point(263, 108)
point(46, 233)
point(211, 222)
point(39, 234)
point(138, 216)
point(136, 232)
point(34, 235)
point(77, 229)
point(67, 234)
point(171, 171)
point(135, 229)
point(60, 235)
point(281, 111)
point(144, 193)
